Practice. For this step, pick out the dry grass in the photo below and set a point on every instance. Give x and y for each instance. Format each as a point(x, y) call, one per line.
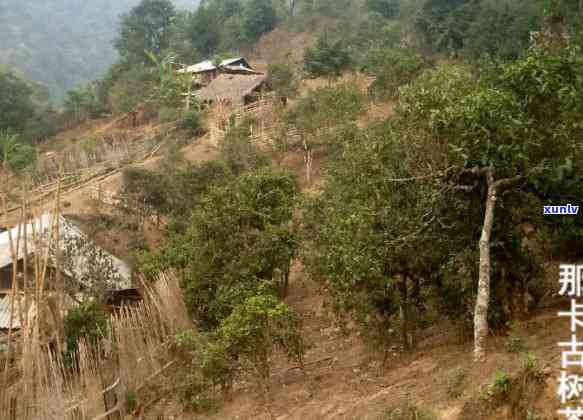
point(38, 382)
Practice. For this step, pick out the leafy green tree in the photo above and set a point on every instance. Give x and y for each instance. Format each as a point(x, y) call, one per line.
point(327, 59)
point(16, 156)
point(238, 150)
point(131, 87)
point(144, 194)
point(47, 122)
point(86, 322)
point(205, 30)
point(238, 241)
point(90, 269)
point(180, 41)
point(145, 29)
point(393, 68)
point(321, 115)
point(16, 105)
point(233, 35)
point(502, 29)
point(172, 84)
point(388, 9)
point(191, 121)
point(442, 23)
point(83, 103)
point(242, 346)
point(259, 17)
point(366, 236)
point(328, 8)
point(503, 134)
point(255, 329)
point(282, 80)
point(228, 8)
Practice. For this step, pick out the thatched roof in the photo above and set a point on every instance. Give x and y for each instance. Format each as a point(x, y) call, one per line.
point(231, 88)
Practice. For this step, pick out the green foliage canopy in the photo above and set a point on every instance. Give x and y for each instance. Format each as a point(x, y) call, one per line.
point(259, 18)
point(86, 322)
point(327, 59)
point(145, 29)
point(389, 9)
point(16, 105)
point(238, 239)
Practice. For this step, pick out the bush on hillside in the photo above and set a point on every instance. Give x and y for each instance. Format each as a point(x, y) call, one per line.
point(191, 121)
point(169, 114)
point(408, 411)
point(282, 80)
point(393, 68)
point(16, 156)
point(86, 322)
point(130, 87)
point(243, 344)
point(327, 59)
point(389, 9)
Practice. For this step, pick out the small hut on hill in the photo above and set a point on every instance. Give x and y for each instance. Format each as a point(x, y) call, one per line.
point(80, 257)
point(230, 82)
point(206, 71)
point(233, 89)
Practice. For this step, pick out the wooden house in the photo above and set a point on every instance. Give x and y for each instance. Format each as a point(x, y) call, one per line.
point(74, 272)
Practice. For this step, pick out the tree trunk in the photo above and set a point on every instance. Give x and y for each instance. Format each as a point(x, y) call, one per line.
point(286, 280)
point(483, 298)
point(404, 313)
point(308, 161)
point(416, 304)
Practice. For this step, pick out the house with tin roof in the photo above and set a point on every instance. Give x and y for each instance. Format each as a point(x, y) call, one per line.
point(78, 256)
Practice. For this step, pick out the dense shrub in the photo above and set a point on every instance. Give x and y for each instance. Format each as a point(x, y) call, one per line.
point(389, 9)
point(393, 69)
point(130, 87)
point(238, 150)
point(88, 322)
point(408, 411)
point(191, 121)
point(169, 114)
point(16, 156)
point(327, 58)
point(283, 80)
point(455, 382)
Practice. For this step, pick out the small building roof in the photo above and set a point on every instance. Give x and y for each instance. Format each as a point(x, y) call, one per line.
point(6, 308)
point(209, 65)
point(231, 87)
point(41, 226)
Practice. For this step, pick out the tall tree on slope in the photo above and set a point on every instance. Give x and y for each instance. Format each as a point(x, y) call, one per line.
point(145, 29)
point(259, 18)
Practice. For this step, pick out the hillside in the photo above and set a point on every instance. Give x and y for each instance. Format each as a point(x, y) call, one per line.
point(344, 378)
point(62, 43)
point(373, 213)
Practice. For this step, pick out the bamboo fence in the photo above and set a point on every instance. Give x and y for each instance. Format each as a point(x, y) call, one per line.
point(39, 380)
point(81, 167)
point(95, 384)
